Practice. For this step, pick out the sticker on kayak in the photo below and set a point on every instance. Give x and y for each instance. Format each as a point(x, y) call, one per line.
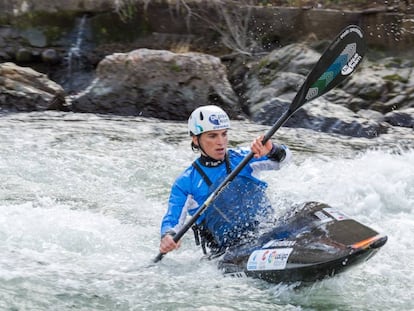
point(323, 217)
point(335, 213)
point(269, 259)
point(279, 243)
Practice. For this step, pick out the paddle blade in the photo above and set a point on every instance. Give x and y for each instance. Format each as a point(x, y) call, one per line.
point(338, 61)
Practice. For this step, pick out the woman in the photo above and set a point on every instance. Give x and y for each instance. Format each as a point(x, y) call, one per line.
point(238, 211)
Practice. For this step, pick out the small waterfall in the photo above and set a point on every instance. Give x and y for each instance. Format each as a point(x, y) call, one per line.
point(79, 71)
point(74, 54)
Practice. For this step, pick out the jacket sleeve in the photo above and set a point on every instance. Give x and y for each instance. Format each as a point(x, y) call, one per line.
point(279, 156)
point(175, 208)
point(180, 201)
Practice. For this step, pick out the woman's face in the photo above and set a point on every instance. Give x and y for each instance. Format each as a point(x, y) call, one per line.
point(213, 143)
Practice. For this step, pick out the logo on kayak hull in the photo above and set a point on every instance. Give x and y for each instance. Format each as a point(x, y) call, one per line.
point(268, 259)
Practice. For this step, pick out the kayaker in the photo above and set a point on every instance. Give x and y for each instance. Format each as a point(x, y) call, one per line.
point(242, 207)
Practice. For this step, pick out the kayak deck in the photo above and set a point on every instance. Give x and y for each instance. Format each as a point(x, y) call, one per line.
point(313, 242)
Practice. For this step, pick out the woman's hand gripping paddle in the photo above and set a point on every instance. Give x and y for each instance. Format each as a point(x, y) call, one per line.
point(338, 61)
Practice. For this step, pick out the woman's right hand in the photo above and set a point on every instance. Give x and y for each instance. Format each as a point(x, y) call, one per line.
point(168, 244)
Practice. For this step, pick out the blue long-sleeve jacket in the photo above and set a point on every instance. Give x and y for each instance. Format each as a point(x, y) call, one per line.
point(190, 189)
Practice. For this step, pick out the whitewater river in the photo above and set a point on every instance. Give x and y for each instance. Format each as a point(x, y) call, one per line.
point(81, 198)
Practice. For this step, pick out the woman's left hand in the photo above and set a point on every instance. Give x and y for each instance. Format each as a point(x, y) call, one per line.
point(259, 149)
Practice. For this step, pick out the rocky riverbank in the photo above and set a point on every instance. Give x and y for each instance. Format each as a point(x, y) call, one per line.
point(84, 60)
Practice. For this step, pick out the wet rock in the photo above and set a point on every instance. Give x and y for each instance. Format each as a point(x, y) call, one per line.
point(35, 37)
point(369, 86)
point(24, 89)
point(284, 85)
point(70, 38)
point(50, 56)
point(4, 56)
point(354, 108)
point(323, 116)
point(155, 83)
point(394, 103)
point(320, 115)
point(352, 102)
point(24, 55)
point(402, 118)
point(371, 115)
point(277, 75)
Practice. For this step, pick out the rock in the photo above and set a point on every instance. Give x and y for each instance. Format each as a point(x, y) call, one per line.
point(354, 108)
point(269, 111)
point(366, 84)
point(277, 75)
point(24, 55)
point(296, 58)
point(169, 85)
point(371, 115)
point(402, 118)
point(24, 89)
point(284, 86)
point(50, 56)
point(35, 37)
point(4, 56)
point(352, 102)
point(394, 103)
point(155, 83)
point(320, 115)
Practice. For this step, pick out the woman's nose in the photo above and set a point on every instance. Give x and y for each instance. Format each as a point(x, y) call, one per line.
point(221, 140)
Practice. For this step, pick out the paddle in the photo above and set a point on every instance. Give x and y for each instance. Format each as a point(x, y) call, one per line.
point(337, 62)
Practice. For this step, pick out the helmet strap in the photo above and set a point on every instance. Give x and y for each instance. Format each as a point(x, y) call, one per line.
point(195, 147)
point(199, 146)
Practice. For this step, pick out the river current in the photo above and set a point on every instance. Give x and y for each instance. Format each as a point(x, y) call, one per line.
point(82, 196)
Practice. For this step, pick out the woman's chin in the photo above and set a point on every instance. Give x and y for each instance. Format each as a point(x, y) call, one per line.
point(219, 156)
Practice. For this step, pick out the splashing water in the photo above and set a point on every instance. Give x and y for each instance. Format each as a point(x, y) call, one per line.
point(82, 196)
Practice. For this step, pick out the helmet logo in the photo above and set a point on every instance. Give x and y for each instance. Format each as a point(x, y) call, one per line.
point(218, 119)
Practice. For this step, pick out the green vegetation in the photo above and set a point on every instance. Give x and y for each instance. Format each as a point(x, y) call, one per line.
point(108, 28)
point(175, 67)
point(52, 25)
point(395, 78)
